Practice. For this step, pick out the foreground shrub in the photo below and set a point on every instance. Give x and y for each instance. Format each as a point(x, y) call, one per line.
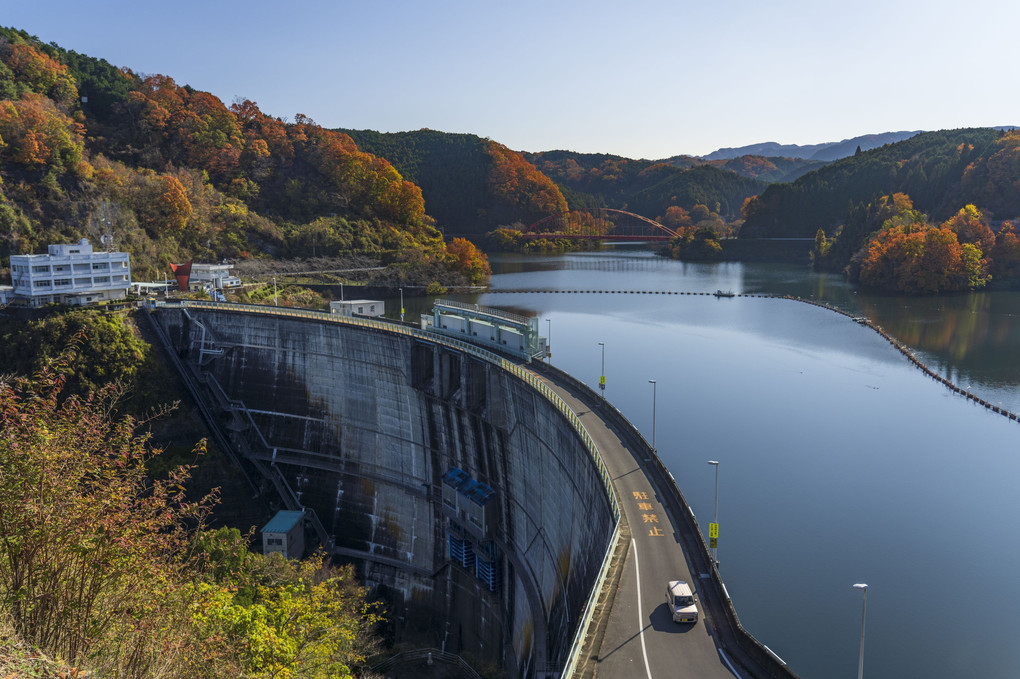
point(89, 544)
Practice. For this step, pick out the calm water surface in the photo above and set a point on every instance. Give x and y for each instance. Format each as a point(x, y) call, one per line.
point(839, 461)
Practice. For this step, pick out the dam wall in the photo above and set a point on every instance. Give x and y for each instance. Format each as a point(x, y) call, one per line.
point(466, 499)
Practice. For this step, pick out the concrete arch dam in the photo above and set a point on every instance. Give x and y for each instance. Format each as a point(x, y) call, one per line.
point(456, 487)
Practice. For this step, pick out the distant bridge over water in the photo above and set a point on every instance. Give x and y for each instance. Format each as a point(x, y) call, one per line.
point(606, 224)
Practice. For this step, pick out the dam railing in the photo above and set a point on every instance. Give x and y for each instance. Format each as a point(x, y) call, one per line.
point(522, 373)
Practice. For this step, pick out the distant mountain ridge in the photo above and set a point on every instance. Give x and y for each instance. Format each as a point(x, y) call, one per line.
point(941, 172)
point(827, 151)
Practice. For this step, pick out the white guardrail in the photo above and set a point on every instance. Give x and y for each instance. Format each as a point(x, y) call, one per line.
point(506, 364)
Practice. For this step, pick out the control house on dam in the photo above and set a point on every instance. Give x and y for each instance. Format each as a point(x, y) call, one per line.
point(466, 496)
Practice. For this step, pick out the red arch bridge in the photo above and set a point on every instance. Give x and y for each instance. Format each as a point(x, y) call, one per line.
point(606, 224)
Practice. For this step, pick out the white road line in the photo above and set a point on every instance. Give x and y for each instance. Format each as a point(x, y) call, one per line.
point(728, 664)
point(641, 618)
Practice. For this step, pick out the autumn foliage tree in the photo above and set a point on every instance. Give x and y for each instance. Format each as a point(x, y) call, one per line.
point(89, 555)
point(519, 184)
point(37, 135)
point(970, 226)
point(1006, 255)
point(107, 567)
point(266, 616)
point(173, 205)
point(299, 170)
point(912, 256)
point(696, 243)
point(31, 70)
point(676, 217)
point(469, 260)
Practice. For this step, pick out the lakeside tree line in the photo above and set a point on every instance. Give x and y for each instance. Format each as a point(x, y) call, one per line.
point(934, 213)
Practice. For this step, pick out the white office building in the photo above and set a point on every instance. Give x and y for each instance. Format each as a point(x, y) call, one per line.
point(70, 274)
point(358, 307)
point(215, 276)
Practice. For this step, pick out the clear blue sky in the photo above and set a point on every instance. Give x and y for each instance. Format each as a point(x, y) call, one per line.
point(637, 78)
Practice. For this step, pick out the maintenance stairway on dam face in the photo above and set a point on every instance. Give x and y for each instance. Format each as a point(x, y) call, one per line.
point(481, 492)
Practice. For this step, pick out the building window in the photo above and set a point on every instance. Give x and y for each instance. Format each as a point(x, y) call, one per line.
point(62, 282)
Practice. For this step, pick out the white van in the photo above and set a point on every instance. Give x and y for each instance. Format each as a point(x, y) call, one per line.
point(680, 600)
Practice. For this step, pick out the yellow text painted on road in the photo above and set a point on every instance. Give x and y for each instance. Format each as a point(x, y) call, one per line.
point(645, 506)
point(655, 532)
point(650, 518)
point(640, 495)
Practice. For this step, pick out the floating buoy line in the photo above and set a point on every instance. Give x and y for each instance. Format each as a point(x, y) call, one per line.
point(903, 349)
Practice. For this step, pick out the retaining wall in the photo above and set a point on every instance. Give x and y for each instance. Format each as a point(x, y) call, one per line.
point(363, 424)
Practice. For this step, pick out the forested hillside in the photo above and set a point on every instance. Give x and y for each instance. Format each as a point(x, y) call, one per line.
point(642, 186)
point(474, 185)
point(765, 168)
point(940, 171)
point(471, 185)
point(171, 173)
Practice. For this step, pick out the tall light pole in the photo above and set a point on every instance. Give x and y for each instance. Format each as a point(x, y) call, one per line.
point(276, 301)
point(652, 382)
point(864, 610)
point(401, 305)
point(548, 341)
point(713, 528)
point(602, 377)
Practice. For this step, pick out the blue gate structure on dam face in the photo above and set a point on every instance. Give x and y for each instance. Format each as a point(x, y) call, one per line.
point(455, 479)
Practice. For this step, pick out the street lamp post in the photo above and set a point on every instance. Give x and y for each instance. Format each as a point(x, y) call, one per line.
point(652, 382)
point(713, 528)
point(276, 301)
point(864, 610)
point(548, 341)
point(401, 305)
point(602, 377)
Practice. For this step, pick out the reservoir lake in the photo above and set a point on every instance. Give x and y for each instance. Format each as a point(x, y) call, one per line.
point(840, 462)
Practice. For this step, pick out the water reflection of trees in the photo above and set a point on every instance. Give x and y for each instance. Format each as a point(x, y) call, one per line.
point(953, 327)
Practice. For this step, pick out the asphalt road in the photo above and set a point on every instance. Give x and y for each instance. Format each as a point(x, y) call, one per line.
point(641, 641)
